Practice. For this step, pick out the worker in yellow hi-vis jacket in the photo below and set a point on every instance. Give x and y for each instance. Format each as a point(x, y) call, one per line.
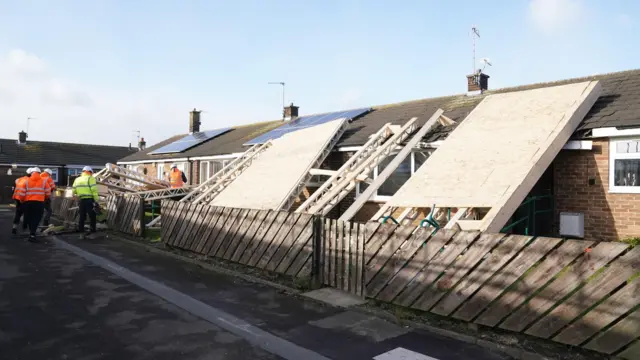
point(85, 188)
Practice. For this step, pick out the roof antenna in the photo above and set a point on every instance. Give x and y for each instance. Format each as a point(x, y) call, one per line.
point(475, 33)
point(486, 62)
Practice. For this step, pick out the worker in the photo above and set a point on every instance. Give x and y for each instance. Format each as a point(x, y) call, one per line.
point(47, 203)
point(86, 189)
point(19, 192)
point(177, 177)
point(37, 191)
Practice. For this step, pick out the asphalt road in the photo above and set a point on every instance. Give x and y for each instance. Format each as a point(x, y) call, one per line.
point(104, 299)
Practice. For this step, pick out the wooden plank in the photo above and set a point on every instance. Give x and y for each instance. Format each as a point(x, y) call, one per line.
point(239, 236)
point(370, 229)
point(268, 238)
point(377, 239)
point(170, 224)
point(584, 267)
point(194, 226)
point(186, 225)
point(334, 253)
point(326, 261)
point(340, 255)
point(231, 233)
point(507, 249)
point(289, 242)
point(616, 274)
point(538, 277)
point(397, 262)
point(249, 234)
point(505, 277)
point(216, 230)
point(259, 234)
point(214, 215)
point(356, 249)
point(125, 209)
point(300, 265)
point(205, 225)
point(224, 231)
point(438, 265)
point(166, 209)
point(298, 238)
point(278, 238)
point(602, 315)
point(386, 251)
point(632, 352)
point(429, 247)
point(132, 214)
point(618, 335)
point(346, 264)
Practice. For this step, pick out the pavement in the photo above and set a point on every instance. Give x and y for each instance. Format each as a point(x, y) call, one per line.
point(105, 299)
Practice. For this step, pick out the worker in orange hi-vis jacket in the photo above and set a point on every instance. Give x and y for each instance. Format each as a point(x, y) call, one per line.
point(19, 192)
point(37, 191)
point(47, 203)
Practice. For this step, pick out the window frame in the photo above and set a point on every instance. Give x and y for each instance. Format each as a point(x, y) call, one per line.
point(613, 156)
point(160, 171)
point(54, 175)
point(384, 198)
point(211, 167)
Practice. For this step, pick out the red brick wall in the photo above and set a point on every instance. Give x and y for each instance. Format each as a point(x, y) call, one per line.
point(607, 216)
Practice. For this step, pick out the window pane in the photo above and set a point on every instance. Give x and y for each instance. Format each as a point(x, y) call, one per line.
point(217, 166)
point(204, 171)
point(628, 147)
point(627, 172)
point(397, 178)
point(420, 158)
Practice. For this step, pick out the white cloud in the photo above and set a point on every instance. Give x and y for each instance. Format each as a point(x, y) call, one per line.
point(551, 16)
point(65, 110)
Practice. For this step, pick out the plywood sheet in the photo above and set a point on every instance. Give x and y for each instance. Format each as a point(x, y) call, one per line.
point(274, 174)
point(493, 151)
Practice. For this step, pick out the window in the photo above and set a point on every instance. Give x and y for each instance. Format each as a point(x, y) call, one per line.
point(160, 171)
point(209, 168)
point(54, 175)
point(401, 174)
point(624, 166)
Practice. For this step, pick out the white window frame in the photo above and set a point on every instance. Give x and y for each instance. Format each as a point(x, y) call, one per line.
point(223, 161)
point(160, 171)
point(385, 198)
point(613, 156)
point(54, 174)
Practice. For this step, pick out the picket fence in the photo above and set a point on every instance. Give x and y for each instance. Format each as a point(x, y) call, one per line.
point(576, 292)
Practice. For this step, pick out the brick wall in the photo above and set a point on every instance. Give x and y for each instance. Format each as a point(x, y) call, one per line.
point(607, 216)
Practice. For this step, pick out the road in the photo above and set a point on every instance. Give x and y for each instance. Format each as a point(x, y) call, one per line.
point(105, 299)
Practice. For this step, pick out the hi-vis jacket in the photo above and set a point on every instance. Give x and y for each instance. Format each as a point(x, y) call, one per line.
point(85, 187)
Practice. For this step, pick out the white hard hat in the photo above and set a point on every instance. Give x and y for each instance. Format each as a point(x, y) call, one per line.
point(29, 170)
point(48, 171)
point(174, 166)
point(87, 168)
point(36, 169)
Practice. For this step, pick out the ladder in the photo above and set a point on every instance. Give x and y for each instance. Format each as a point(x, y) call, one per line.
point(126, 180)
point(208, 190)
point(357, 168)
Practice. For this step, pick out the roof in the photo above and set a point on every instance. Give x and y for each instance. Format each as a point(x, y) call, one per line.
point(618, 106)
point(227, 143)
point(59, 154)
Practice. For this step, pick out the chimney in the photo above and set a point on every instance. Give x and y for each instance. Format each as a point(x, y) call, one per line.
point(194, 121)
point(22, 137)
point(477, 83)
point(290, 112)
point(142, 144)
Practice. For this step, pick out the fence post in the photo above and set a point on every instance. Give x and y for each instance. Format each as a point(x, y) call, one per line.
point(141, 217)
point(317, 252)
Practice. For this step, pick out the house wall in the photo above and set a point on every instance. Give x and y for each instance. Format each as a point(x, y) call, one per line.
point(607, 216)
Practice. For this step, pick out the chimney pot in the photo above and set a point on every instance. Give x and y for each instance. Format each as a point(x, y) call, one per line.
point(194, 121)
point(478, 82)
point(290, 112)
point(22, 137)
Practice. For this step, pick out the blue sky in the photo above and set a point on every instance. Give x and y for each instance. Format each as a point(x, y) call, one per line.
point(104, 68)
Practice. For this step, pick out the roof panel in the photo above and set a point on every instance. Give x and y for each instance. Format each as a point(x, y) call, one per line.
point(189, 141)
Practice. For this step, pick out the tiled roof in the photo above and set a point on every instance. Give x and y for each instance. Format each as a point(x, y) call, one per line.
point(60, 154)
point(618, 106)
point(227, 143)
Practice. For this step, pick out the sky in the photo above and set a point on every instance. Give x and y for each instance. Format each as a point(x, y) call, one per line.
point(99, 71)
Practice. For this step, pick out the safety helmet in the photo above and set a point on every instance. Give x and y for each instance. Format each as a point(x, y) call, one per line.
point(48, 171)
point(36, 169)
point(87, 168)
point(174, 166)
point(29, 171)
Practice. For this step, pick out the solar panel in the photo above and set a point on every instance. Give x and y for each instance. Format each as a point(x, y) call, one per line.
point(189, 141)
point(305, 122)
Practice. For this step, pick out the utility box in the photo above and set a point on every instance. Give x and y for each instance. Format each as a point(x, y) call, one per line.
point(572, 224)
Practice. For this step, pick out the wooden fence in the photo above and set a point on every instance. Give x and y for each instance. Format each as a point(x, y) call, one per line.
point(65, 209)
point(125, 214)
point(273, 240)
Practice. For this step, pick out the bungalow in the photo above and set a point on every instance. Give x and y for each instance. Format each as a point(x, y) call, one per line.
point(596, 174)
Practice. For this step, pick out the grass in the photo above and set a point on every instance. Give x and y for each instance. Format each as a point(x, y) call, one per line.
point(633, 241)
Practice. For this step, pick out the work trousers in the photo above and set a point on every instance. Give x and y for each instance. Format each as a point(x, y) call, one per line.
point(20, 213)
point(47, 212)
point(86, 207)
point(33, 211)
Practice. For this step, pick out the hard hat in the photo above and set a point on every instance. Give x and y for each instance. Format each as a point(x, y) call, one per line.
point(36, 169)
point(48, 171)
point(87, 168)
point(29, 170)
point(174, 166)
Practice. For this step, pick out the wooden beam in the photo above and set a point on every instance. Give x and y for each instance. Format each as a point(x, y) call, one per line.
point(446, 121)
point(455, 218)
point(390, 168)
point(326, 172)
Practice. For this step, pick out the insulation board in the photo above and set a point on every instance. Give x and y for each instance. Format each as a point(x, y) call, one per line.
point(501, 148)
point(275, 174)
